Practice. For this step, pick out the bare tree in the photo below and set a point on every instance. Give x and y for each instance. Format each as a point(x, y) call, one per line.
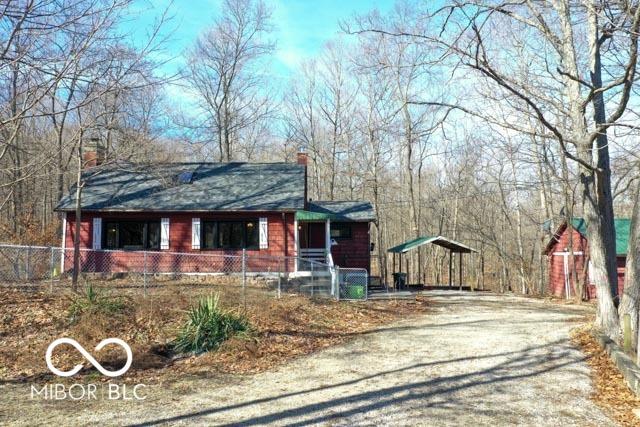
point(576, 87)
point(224, 74)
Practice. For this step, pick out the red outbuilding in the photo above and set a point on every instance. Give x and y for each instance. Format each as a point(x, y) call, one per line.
point(259, 209)
point(562, 271)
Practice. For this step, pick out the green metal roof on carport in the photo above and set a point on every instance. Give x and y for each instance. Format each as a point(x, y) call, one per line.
point(452, 245)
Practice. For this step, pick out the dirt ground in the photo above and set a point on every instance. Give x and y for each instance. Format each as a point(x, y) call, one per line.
point(477, 359)
point(281, 329)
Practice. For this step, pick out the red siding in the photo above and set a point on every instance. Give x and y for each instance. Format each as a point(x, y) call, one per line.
point(353, 252)
point(556, 265)
point(280, 234)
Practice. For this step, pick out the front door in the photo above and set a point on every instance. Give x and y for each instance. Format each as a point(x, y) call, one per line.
point(312, 235)
point(316, 236)
point(312, 240)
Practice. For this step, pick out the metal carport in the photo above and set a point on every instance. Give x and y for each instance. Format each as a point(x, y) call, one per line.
point(449, 244)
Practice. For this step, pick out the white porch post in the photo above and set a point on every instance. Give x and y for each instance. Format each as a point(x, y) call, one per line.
point(327, 243)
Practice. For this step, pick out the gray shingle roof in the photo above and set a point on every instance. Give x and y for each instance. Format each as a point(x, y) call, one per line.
point(214, 187)
point(345, 210)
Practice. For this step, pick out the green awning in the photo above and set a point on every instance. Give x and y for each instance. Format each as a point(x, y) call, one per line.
point(452, 245)
point(313, 216)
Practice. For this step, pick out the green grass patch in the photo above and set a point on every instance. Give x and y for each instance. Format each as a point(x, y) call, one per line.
point(208, 325)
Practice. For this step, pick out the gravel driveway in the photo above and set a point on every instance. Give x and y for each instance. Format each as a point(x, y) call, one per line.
point(477, 359)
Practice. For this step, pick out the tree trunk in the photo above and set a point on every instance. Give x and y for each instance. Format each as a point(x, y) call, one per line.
point(598, 210)
point(630, 302)
point(76, 235)
point(77, 219)
point(596, 185)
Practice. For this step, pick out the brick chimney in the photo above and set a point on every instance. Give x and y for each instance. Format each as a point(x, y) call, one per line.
point(93, 154)
point(302, 157)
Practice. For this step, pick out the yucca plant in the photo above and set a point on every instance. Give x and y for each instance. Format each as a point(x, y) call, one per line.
point(208, 326)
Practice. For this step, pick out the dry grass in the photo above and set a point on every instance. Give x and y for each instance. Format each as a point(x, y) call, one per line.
point(282, 329)
point(611, 392)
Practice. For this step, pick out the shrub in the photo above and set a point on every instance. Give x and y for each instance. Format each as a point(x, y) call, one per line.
point(208, 326)
point(94, 302)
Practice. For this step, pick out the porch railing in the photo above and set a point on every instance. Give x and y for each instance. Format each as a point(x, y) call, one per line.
point(314, 254)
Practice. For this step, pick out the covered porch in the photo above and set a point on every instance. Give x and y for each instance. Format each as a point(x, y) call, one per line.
point(334, 233)
point(313, 237)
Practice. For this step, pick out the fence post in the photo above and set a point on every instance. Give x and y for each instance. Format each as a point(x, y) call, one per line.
point(244, 278)
point(51, 268)
point(280, 273)
point(312, 281)
point(366, 285)
point(626, 332)
point(144, 272)
point(27, 274)
point(337, 283)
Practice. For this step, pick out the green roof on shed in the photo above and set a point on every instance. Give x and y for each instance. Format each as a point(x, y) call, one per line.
point(622, 226)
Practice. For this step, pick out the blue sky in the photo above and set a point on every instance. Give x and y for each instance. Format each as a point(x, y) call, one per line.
point(302, 26)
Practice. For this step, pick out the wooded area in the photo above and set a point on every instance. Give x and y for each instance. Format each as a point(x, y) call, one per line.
point(482, 121)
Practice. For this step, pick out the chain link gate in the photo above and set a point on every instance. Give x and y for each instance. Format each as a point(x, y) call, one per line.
point(352, 283)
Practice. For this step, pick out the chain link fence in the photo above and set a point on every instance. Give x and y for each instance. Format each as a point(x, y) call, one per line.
point(23, 264)
point(353, 283)
point(53, 266)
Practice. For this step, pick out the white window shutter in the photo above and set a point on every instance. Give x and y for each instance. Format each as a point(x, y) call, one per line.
point(164, 233)
point(264, 233)
point(97, 233)
point(195, 233)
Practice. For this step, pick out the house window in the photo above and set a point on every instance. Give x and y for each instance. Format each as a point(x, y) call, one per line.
point(131, 235)
point(340, 231)
point(230, 235)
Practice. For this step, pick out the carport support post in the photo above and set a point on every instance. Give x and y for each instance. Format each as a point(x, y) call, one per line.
point(400, 271)
point(393, 255)
point(408, 271)
point(460, 268)
point(450, 267)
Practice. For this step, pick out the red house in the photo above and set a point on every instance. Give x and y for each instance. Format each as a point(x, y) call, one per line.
point(561, 270)
point(260, 209)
